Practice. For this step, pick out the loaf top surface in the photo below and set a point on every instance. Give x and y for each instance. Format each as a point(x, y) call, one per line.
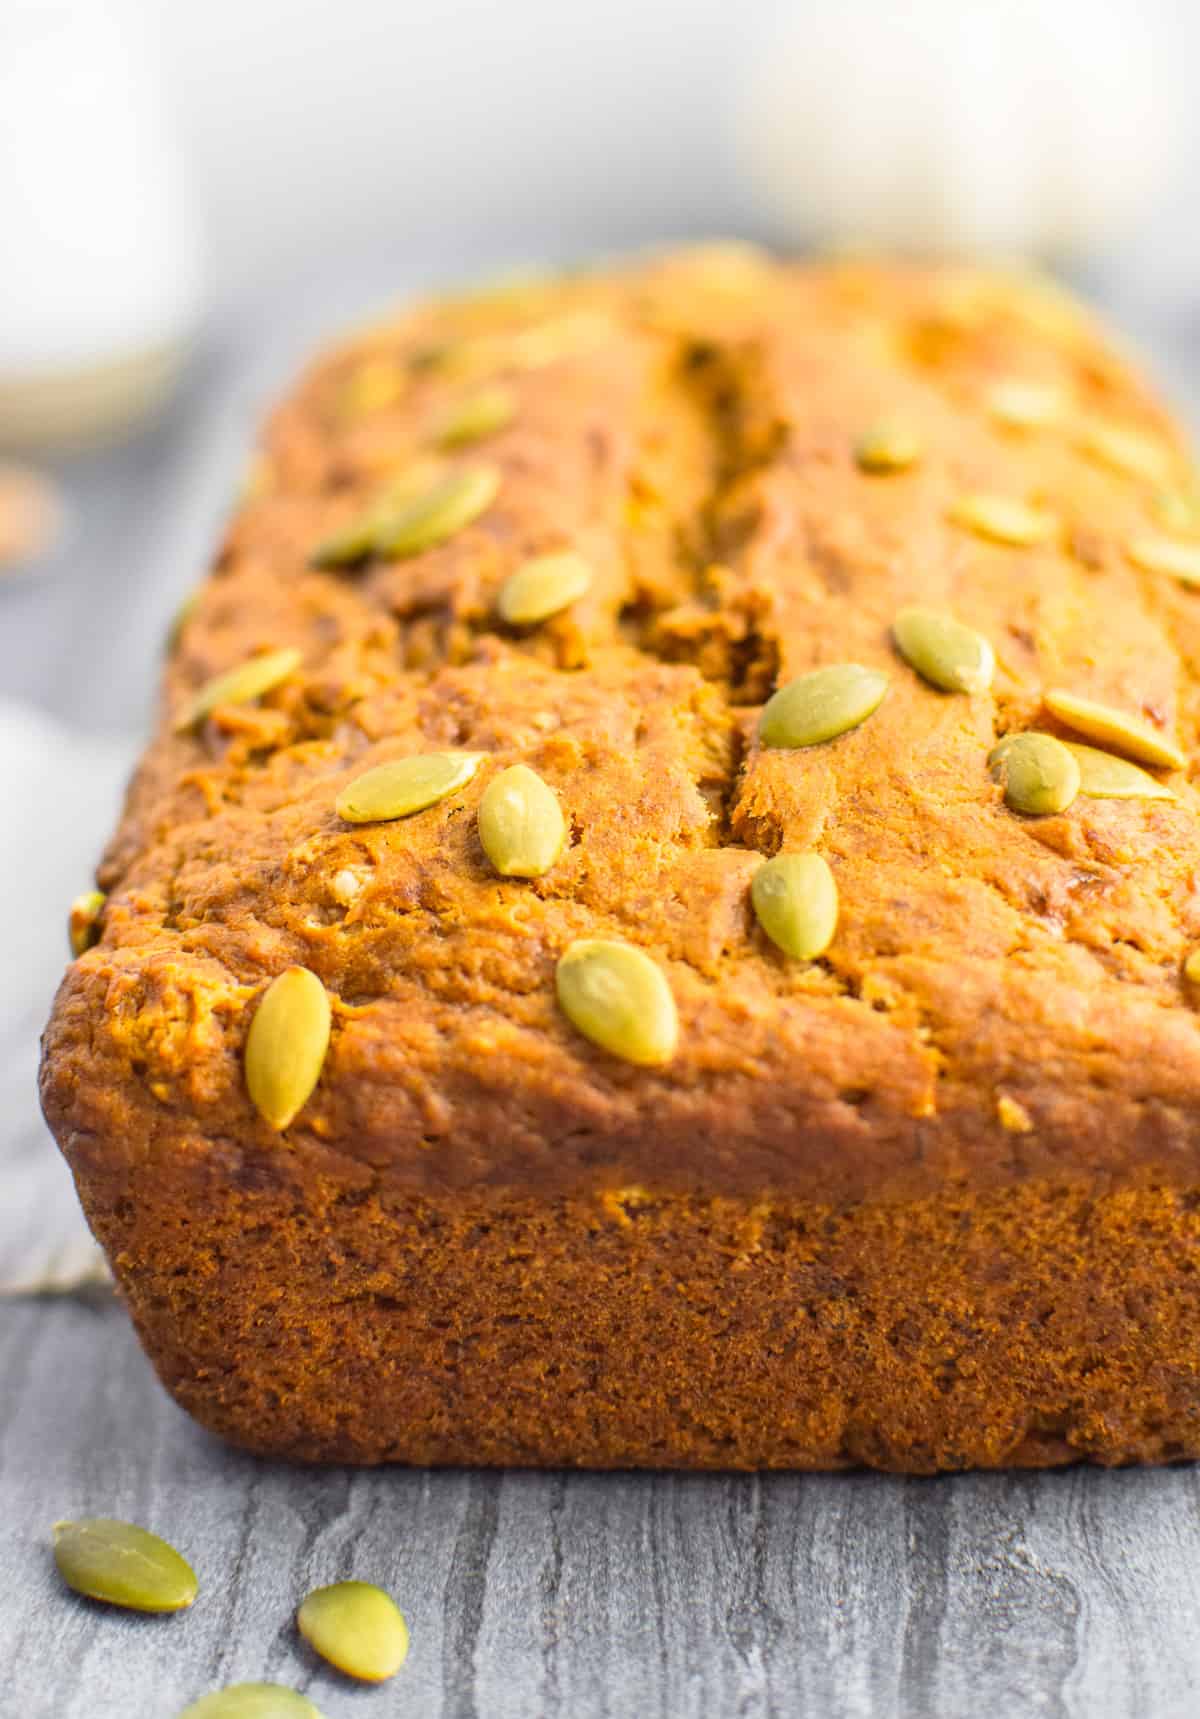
point(1004, 994)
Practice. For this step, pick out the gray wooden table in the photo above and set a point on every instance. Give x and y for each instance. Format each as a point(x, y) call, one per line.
point(580, 1596)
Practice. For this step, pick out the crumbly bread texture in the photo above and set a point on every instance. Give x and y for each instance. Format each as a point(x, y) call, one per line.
point(929, 1201)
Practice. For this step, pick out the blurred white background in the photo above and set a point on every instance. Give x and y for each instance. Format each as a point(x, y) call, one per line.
point(318, 128)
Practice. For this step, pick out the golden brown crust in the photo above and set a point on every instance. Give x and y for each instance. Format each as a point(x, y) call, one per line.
point(1001, 1013)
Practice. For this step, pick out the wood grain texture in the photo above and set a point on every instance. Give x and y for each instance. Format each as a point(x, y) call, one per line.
point(1071, 1595)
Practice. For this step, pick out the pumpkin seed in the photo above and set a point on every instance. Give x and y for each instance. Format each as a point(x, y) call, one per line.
point(83, 921)
point(179, 621)
point(543, 587)
point(356, 1627)
point(521, 824)
point(619, 998)
point(1038, 773)
point(240, 685)
point(371, 386)
point(1105, 777)
point(1131, 453)
point(821, 705)
point(1003, 519)
point(1177, 510)
point(252, 1701)
point(122, 1565)
point(1013, 1116)
point(480, 415)
point(1167, 556)
point(943, 650)
point(446, 508)
point(796, 903)
point(1024, 405)
point(1191, 968)
point(889, 447)
point(403, 786)
point(1131, 735)
point(286, 1046)
point(360, 538)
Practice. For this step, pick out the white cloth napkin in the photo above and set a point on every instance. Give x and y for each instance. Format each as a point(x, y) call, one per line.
point(61, 792)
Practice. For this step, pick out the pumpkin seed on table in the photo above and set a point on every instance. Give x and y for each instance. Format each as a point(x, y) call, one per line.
point(1117, 729)
point(286, 1045)
point(617, 997)
point(252, 1701)
point(105, 1559)
point(821, 705)
point(521, 824)
point(1166, 555)
point(403, 786)
point(444, 509)
point(1003, 519)
point(1191, 968)
point(543, 586)
point(887, 447)
point(83, 927)
point(241, 685)
point(950, 655)
point(480, 415)
point(795, 901)
point(1038, 773)
point(357, 1627)
point(1103, 776)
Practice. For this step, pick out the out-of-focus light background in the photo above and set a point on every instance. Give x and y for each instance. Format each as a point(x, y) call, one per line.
point(193, 193)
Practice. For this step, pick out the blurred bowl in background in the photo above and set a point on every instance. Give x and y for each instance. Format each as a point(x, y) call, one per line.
point(100, 290)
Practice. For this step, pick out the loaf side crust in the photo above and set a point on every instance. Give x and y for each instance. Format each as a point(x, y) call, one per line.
point(926, 1202)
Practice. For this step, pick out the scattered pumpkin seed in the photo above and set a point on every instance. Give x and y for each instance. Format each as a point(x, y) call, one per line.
point(240, 685)
point(821, 705)
point(446, 508)
point(403, 786)
point(795, 901)
point(543, 586)
point(122, 1565)
point(1038, 773)
point(286, 1046)
point(1166, 555)
point(619, 998)
point(1130, 452)
point(1019, 404)
point(521, 824)
point(482, 414)
point(357, 1627)
point(83, 921)
point(889, 447)
point(252, 1701)
point(952, 656)
point(1102, 776)
point(1118, 729)
point(1003, 519)
point(1191, 968)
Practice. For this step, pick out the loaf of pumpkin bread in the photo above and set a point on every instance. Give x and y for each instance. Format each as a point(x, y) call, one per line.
point(657, 927)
